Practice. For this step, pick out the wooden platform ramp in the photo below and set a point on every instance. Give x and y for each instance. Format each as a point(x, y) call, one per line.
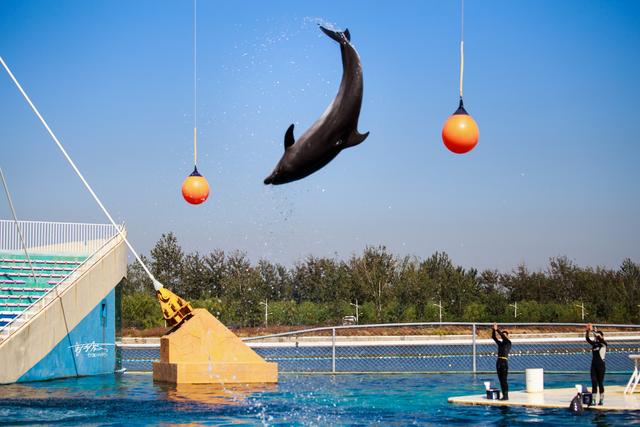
point(615, 399)
point(203, 351)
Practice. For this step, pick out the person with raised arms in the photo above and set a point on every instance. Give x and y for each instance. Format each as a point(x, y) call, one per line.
point(502, 363)
point(598, 353)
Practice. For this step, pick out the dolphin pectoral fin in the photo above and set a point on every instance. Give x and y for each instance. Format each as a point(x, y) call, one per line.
point(355, 138)
point(289, 140)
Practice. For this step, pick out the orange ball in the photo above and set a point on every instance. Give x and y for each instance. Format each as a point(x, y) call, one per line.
point(460, 133)
point(195, 189)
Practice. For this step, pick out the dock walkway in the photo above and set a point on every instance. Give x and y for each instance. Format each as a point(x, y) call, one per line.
point(615, 399)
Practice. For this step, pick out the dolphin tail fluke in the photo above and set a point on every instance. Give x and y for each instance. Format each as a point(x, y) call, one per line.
point(356, 138)
point(339, 36)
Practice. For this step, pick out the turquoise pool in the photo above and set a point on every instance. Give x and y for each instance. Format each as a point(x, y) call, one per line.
point(357, 400)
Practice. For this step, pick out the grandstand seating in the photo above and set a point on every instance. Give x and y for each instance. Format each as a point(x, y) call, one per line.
point(18, 286)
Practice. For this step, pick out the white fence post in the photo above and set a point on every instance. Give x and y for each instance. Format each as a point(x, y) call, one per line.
point(333, 350)
point(473, 346)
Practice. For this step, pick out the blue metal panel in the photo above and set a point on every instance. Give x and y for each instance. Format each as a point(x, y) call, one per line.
point(89, 349)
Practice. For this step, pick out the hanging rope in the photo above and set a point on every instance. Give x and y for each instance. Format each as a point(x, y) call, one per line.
point(195, 83)
point(156, 284)
point(461, 47)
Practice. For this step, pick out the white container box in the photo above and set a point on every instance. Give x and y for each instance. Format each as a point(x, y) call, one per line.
point(535, 380)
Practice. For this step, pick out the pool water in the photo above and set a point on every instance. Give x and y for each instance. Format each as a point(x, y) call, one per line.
point(357, 400)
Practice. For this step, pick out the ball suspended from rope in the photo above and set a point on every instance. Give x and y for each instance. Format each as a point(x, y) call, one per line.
point(195, 188)
point(460, 133)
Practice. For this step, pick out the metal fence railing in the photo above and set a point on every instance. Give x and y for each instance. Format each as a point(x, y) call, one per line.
point(425, 348)
point(59, 238)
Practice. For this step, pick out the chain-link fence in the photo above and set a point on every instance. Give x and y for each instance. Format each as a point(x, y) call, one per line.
point(425, 347)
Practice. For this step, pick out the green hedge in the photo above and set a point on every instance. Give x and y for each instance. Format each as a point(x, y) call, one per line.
point(140, 310)
point(390, 288)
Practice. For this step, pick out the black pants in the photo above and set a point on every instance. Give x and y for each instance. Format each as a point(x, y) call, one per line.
point(597, 376)
point(502, 366)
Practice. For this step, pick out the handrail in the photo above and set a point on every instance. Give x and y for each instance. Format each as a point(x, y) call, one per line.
point(26, 221)
point(395, 325)
point(6, 331)
point(47, 237)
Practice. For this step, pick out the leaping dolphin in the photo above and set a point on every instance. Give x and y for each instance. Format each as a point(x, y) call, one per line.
point(334, 131)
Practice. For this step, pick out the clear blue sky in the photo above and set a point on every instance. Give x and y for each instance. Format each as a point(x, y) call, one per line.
point(552, 84)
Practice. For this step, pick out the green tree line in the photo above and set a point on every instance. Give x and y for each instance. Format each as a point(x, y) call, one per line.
point(389, 288)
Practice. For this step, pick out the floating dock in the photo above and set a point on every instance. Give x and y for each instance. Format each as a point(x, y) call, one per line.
point(615, 399)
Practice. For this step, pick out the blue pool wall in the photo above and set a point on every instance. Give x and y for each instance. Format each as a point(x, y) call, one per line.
point(89, 349)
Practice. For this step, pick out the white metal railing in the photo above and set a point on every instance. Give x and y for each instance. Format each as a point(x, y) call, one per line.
point(632, 334)
point(60, 238)
point(54, 292)
point(472, 325)
point(424, 347)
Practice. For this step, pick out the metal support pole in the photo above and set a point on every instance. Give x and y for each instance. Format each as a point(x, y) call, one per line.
point(333, 350)
point(357, 312)
point(266, 312)
point(473, 347)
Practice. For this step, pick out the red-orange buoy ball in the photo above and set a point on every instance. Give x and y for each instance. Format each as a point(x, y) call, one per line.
point(195, 189)
point(460, 133)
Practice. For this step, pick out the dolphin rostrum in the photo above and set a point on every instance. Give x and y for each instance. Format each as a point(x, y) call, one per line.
point(334, 131)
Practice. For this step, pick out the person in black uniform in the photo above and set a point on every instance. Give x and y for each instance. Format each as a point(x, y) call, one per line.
point(502, 363)
point(598, 352)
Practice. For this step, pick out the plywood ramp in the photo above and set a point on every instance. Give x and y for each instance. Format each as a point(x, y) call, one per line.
point(203, 351)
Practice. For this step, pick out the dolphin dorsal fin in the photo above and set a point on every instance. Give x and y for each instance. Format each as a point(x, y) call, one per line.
point(288, 137)
point(347, 34)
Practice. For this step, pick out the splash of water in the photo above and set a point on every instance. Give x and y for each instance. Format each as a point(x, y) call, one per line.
point(313, 20)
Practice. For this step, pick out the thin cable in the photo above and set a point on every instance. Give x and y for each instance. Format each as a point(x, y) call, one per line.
point(461, 47)
point(33, 272)
point(195, 82)
point(462, 20)
point(15, 220)
point(156, 284)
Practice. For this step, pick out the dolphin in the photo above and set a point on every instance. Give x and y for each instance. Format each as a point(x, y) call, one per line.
point(334, 131)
